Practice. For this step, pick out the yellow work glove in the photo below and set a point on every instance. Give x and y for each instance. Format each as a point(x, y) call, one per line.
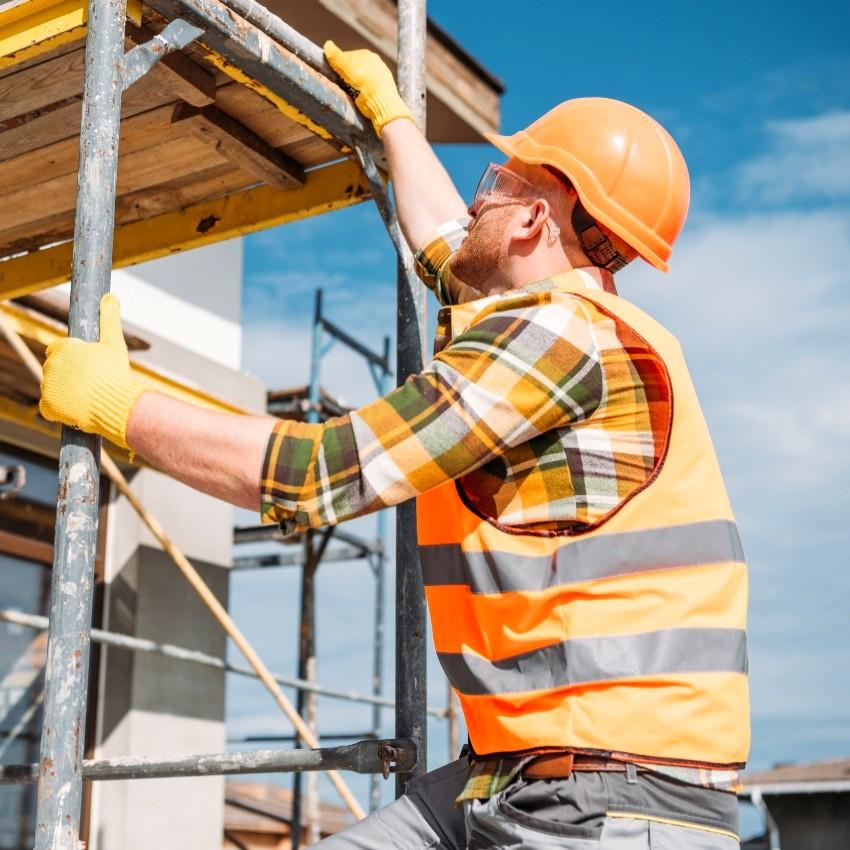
point(89, 385)
point(365, 72)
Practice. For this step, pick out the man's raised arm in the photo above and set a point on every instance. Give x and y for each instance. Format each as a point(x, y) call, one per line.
point(425, 195)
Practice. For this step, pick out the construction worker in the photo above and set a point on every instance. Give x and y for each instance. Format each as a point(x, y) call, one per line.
point(585, 578)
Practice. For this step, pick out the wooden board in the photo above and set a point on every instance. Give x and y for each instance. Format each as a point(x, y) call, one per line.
point(23, 210)
point(176, 194)
point(163, 165)
point(62, 120)
point(41, 84)
point(263, 118)
point(240, 146)
point(61, 157)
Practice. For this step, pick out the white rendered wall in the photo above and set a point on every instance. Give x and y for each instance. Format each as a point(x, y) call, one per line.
point(193, 299)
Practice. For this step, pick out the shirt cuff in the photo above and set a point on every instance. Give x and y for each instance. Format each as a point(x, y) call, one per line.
point(288, 464)
point(431, 261)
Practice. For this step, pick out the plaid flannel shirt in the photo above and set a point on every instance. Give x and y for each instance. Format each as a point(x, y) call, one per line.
point(538, 408)
point(574, 424)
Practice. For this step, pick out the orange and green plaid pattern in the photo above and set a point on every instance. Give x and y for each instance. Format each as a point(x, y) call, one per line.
point(548, 413)
point(538, 407)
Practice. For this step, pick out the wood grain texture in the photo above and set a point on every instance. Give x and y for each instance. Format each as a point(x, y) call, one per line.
point(41, 84)
point(193, 188)
point(241, 146)
point(176, 72)
point(36, 210)
point(211, 151)
point(45, 128)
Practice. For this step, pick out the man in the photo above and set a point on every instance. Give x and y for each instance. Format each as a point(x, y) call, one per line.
point(583, 571)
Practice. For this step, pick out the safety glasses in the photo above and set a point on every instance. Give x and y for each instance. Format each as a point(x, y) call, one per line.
point(499, 184)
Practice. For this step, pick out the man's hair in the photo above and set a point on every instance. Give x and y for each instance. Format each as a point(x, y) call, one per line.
point(560, 177)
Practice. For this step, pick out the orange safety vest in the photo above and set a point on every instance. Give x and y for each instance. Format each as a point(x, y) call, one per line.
point(627, 637)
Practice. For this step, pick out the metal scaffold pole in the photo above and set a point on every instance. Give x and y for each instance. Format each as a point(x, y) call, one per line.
point(379, 565)
point(307, 705)
point(61, 760)
point(411, 675)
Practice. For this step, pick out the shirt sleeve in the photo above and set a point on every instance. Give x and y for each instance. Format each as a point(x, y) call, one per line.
point(432, 261)
point(513, 375)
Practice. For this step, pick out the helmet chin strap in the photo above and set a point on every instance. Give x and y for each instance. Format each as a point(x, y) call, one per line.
point(594, 242)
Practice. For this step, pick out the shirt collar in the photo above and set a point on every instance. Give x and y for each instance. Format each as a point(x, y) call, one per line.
point(589, 277)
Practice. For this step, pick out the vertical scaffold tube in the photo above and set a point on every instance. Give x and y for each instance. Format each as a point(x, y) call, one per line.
point(411, 675)
point(378, 560)
point(66, 673)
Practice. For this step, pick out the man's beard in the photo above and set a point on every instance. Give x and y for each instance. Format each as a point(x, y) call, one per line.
point(479, 257)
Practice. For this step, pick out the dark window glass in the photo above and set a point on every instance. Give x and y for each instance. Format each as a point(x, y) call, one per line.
point(31, 511)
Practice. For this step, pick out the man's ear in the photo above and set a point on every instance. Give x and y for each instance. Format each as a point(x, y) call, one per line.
point(531, 224)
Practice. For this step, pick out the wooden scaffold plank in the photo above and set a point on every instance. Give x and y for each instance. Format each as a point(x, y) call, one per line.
point(239, 145)
point(326, 189)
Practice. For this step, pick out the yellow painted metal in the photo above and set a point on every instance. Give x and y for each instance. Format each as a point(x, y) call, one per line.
point(27, 416)
point(330, 188)
point(43, 330)
point(32, 27)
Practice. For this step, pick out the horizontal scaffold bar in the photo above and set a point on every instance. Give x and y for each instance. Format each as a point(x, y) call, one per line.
point(262, 533)
point(179, 653)
point(362, 757)
point(329, 188)
point(295, 559)
point(43, 330)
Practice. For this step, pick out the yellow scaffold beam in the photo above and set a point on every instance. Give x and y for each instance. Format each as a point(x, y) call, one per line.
point(31, 27)
point(42, 330)
point(326, 189)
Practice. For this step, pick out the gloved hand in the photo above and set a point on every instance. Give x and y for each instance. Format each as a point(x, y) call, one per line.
point(89, 385)
point(366, 72)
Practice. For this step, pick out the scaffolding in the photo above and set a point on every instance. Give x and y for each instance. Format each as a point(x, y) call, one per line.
point(246, 42)
point(307, 550)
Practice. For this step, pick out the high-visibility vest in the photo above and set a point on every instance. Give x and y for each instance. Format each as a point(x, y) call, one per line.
point(627, 637)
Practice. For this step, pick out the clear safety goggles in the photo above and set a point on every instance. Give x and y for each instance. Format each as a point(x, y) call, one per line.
point(499, 184)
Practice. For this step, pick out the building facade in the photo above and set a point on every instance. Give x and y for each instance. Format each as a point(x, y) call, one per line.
point(184, 313)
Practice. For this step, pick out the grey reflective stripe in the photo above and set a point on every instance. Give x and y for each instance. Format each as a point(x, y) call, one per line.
point(582, 660)
point(714, 541)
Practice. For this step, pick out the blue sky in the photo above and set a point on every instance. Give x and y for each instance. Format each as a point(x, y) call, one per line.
point(759, 294)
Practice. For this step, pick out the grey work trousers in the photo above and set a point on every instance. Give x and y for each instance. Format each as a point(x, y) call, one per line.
point(587, 811)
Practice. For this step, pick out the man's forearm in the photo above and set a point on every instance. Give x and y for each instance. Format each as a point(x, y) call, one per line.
point(219, 454)
point(424, 193)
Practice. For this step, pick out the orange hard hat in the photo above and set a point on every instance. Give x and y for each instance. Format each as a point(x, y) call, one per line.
point(628, 172)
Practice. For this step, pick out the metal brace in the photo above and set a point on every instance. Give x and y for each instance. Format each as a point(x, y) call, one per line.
point(138, 61)
point(12, 481)
point(389, 755)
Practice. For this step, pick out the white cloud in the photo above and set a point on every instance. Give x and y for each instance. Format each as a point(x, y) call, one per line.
point(761, 303)
point(808, 159)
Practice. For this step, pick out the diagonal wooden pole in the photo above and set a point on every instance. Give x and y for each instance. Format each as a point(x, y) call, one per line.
point(194, 578)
